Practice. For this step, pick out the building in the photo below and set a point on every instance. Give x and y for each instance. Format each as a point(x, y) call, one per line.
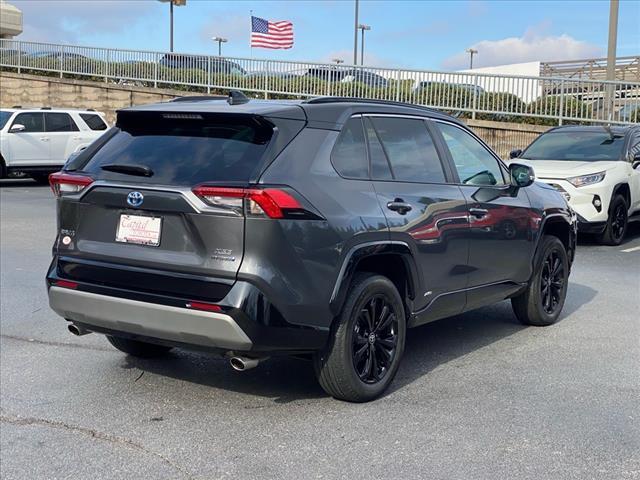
point(10, 20)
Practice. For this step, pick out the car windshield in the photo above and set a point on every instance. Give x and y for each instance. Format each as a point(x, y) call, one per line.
point(4, 118)
point(591, 145)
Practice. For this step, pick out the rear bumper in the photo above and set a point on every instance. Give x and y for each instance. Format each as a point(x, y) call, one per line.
point(164, 322)
point(248, 322)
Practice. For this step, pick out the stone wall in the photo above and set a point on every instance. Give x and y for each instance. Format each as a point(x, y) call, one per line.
point(32, 90)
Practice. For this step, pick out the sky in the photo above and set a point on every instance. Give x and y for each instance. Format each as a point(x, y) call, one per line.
point(407, 34)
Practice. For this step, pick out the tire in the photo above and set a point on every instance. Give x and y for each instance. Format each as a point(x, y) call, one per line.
point(136, 348)
point(359, 364)
point(541, 303)
point(617, 222)
point(3, 168)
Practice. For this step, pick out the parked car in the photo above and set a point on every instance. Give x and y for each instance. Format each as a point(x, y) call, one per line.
point(445, 86)
point(195, 62)
point(597, 169)
point(325, 227)
point(39, 141)
point(342, 74)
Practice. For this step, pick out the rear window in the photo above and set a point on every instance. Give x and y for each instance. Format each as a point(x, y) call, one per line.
point(183, 149)
point(590, 145)
point(93, 121)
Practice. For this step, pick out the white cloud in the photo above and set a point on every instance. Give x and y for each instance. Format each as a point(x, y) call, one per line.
point(534, 45)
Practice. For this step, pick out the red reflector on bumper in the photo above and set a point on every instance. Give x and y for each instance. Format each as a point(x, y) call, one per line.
point(208, 307)
point(65, 284)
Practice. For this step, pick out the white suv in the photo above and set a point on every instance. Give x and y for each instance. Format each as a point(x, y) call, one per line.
point(39, 141)
point(597, 169)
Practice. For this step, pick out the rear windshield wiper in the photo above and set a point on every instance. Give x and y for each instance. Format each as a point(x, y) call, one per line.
point(138, 170)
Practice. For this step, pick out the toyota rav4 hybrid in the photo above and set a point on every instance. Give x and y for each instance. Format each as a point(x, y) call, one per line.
point(39, 141)
point(323, 228)
point(597, 169)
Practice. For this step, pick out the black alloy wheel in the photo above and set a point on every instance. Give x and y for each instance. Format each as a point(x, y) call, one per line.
point(552, 281)
point(375, 339)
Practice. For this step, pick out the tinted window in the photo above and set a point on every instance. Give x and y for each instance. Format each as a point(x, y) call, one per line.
point(4, 118)
point(349, 156)
point(94, 122)
point(576, 145)
point(181, 151)
point(33, 122)
point(410, 150)
point(380, 169)
point(59, 122)
point(474, 163)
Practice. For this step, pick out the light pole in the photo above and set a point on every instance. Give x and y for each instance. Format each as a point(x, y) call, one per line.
point(363, 27)
point(355, 37)
point(471, 52)
point(177, 3)
point(611, 54)
point(220, 41)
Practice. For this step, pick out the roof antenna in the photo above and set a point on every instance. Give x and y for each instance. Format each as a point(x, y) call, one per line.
point(236, 97)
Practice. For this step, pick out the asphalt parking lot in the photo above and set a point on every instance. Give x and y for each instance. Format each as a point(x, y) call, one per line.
point(478, 396)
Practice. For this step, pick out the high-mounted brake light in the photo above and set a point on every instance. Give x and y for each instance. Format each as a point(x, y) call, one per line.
point(67, 184)
point(272, 202)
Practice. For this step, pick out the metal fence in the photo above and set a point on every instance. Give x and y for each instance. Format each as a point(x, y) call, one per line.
point(540, 100)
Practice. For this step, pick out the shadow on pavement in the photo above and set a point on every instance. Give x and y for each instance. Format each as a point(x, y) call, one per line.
point(285, 379)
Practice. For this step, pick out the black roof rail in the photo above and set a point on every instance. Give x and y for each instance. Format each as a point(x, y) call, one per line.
point(321, 100)
point(91, 109)
point(198, 98)
point(17, 106)
point(45, 108)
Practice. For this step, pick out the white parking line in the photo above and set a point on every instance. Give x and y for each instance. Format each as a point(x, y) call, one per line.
point(632, 249)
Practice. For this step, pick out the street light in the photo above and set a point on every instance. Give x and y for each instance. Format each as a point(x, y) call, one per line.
point(220, 41)
point(471, 52)
point(177, 3)
point(337, 60)
point(363, 27)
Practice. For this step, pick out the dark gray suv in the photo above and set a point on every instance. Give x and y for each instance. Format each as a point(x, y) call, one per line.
point(323, 228)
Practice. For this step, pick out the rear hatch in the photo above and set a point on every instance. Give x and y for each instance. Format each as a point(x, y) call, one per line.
point(138, 225)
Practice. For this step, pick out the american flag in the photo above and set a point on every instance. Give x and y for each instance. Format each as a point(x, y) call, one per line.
point(268, 34)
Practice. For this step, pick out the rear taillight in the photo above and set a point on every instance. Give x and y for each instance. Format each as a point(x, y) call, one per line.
point(68, 184)
point(272, 202)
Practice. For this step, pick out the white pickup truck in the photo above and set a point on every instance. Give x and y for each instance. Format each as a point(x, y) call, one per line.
point(38, 141)
point(597, 169)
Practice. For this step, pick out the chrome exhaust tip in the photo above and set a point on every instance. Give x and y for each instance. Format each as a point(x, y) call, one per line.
point(77, 330)
point(241, 364)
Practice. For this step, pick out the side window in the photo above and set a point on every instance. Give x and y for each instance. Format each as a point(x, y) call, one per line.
point(380, 169)
point(93, 121)
point(349, 155)
point(33, 122)
point(475, 165)
point(59, 122)
point(410, 149)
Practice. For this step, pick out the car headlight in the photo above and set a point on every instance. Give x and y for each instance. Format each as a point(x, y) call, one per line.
point(584, 180)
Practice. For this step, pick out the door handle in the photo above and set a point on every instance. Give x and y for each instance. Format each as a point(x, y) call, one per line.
point(400, 206)
point(44, 139)
point(479, 212)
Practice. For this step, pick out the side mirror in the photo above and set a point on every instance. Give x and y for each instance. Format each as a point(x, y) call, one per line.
point(521, 175)
point(515, 153)
point(17, 127)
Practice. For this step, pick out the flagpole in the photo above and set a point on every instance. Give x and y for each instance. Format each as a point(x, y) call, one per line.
point(250, 31)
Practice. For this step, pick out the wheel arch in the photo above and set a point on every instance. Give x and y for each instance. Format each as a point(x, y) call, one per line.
point(392, 259)
point(3, 167)
point(560, 226)
point(621, 189)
